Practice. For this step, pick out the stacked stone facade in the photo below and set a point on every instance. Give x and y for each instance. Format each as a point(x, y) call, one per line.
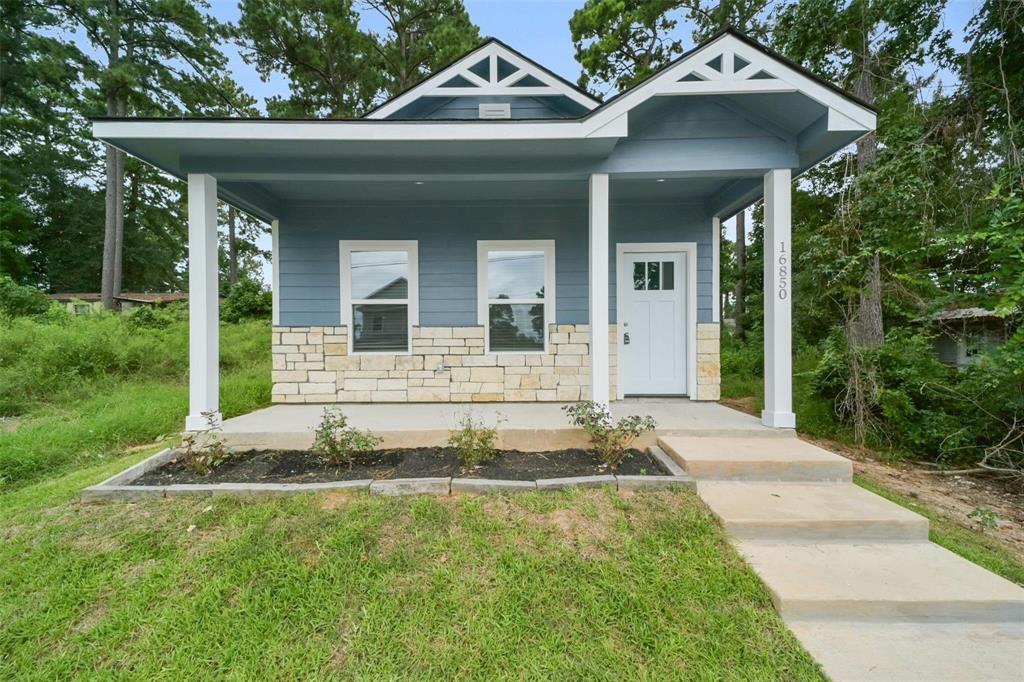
point(447, 364)
point(709, 363)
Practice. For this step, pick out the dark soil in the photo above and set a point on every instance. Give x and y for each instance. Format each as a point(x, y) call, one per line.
point(293, 466)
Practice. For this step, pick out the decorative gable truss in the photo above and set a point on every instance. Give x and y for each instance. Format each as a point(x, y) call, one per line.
point(491, 70)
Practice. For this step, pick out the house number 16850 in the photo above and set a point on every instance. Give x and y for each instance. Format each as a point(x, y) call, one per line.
point(783, 272)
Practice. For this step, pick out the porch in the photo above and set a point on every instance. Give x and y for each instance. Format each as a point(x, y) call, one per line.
point(523, 426)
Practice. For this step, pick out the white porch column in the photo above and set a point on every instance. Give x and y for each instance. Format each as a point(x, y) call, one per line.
point(203, 304)
point(778, 314)
point(599, 381)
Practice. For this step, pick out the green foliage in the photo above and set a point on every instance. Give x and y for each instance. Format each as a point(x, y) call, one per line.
point(337, 442)
point(474, 442)
point(610, 439)
point(985, 518)
point(203, 451)
point(246, 300)
point(17, 300)
point(158, 316)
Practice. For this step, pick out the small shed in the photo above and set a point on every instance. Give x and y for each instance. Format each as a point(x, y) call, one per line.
point(85, 303)
point(964, 333)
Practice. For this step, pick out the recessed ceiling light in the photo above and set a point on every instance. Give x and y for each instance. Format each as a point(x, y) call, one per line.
point(661, 179)
point(417, 182)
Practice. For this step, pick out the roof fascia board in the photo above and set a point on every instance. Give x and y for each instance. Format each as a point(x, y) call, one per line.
point(490, 50)
point(108, 130)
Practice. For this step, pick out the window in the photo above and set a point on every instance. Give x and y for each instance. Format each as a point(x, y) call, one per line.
point(516, 290)
point(654, 275)
point(379, 294)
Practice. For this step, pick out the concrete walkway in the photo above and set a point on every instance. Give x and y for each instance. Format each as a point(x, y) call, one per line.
point(524, 426)
point(852, 574)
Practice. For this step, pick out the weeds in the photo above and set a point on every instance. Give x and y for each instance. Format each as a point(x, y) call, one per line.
point(202, 452)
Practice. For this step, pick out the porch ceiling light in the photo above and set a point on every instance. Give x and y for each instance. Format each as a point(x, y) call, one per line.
point(661, 180)
point(417, 182)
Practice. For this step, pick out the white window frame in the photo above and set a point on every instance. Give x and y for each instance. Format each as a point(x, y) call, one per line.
point(547, 246)
point(411, 247)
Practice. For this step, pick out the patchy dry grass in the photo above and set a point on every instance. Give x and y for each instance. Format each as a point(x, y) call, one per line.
point(576, 585)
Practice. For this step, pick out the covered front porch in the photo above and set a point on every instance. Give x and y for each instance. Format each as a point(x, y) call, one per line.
point(522, 426)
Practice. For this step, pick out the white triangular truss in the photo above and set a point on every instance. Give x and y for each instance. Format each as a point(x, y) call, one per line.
point(490, 70)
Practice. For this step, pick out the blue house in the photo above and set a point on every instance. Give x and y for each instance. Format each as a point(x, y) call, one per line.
point(497, 234)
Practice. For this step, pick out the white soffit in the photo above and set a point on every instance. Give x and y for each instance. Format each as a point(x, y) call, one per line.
point(490, 70)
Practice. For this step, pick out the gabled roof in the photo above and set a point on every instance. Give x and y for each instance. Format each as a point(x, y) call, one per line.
point(492, 68)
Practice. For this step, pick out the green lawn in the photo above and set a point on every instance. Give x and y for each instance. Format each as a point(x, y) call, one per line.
point(576, 585)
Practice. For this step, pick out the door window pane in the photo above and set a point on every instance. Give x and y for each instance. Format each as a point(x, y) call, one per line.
point(653, 276)
point(380, 274)
point(668, 275)
point(516, 327)
point(515, 274)
point(380, 327)
point(639, 276)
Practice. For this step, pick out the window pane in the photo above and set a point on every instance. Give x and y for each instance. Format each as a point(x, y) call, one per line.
point(653, 277)
point(639, 276)
point(516, 327)
point(380, 327)
point(668, 275)
point(380, 274)
point(515, 274)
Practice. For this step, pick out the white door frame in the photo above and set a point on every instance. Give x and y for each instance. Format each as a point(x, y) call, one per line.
point(689, 300)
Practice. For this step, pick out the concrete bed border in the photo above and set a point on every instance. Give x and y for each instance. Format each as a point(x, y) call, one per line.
point(118, 487)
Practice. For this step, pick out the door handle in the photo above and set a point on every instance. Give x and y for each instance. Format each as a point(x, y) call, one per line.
point(625, 339)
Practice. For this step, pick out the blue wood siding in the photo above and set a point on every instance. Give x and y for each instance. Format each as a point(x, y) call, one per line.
point(447, 234)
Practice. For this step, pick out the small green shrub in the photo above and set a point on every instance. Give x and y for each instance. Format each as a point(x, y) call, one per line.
point(985, 518)
point(337, 443)
point(202, 452)
point(474, 442)
point(611, 440)
point(246, 300)
point(18, 300)
point(157, 317)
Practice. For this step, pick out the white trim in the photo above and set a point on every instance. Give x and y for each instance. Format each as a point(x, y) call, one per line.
point(203, 304)
point(345, 249)
point(482, 300)
point(491, 86)
point(716, 256)
point(275, 270)
point(598, 288)
point(622, 282)
point(778, 304)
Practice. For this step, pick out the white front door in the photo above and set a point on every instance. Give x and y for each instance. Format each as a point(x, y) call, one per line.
point(652, 338)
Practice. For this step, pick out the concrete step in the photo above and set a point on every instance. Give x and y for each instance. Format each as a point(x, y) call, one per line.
point(882, 581)
point(755, 459)
point(871, 650)
point(822, 512)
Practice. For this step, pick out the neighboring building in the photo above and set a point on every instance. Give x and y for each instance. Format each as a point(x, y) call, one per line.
point(85, 303)
point(551, 247)
point(965, 333)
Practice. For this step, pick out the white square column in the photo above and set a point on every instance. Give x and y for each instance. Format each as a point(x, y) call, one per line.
point(778, 307)
point(598, 269)
point(203, 304)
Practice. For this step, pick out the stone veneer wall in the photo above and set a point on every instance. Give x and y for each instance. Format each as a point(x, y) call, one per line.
point(312, 365)
point(709, 363)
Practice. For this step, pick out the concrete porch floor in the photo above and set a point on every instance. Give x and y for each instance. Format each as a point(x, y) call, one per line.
point(523, 426)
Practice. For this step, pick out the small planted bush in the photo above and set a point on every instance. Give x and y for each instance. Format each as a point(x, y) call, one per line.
point(337, 443)
point(202, 452)
point(474, 442)
point(610, 439)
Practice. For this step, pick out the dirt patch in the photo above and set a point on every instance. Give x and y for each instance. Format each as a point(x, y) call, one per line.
point(293, 466)
point(334, 500)
point(952, 497)
point(747, 404)
point(9, 424)
point(587, 527)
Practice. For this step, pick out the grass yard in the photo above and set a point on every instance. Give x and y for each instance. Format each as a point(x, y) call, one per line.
point(574, 585)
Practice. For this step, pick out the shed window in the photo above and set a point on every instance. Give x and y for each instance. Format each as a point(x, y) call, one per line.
point(379, 295)
point(516, 294)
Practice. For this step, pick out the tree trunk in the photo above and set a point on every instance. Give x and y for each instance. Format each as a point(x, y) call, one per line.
point(866, 328)
point(740, 307)
point(232, 247)
point(111, 204)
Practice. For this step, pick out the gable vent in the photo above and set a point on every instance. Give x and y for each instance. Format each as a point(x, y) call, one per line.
point(495, 111)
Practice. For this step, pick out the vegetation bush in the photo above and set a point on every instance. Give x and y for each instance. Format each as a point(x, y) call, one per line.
point(474, 442)
point(17, 300)
point(245, 301)
point(610, 439)
point(157, 317)
point(201, 452)
point(338, 443)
